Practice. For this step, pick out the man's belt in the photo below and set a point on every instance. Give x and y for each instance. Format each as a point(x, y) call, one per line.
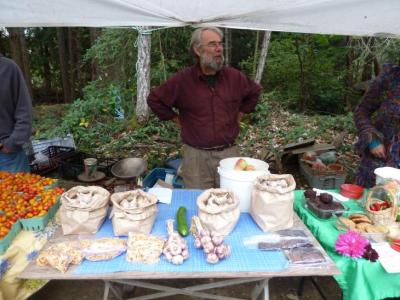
point(215, 148)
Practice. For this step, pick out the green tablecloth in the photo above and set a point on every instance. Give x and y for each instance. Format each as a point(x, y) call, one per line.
point(360, 279)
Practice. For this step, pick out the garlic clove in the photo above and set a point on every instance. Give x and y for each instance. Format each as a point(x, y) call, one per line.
point(217, 240)
point(197, 243)
point(168, 256)
point(212, 258)
point(205, 240)
point(208, 247)
point(175, 249)
point(185, 254)
point(177, 259)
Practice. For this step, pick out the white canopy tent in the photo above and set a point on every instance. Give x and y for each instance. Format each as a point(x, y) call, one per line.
point(344, 17)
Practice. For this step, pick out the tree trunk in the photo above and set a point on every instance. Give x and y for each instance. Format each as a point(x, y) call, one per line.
point(255, 55)
point(62, 54)
point(19, 53)
point(143, 74)
point(263, 56)
point(349, 76)
point(15, 47)
point(377, 66)
point(162, 58)
point(72, 62)
point(80, 76)
point(44, 50)
point(228, 45)
point(94, 34)
point(302, 100)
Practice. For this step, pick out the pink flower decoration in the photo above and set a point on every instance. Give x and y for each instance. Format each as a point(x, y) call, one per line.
point(351, 244)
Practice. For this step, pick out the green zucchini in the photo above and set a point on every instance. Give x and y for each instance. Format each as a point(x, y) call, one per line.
point(181, 221)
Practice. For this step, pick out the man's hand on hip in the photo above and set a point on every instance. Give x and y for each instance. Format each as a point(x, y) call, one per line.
point(379, 151)
point(239, 117)
point(4, 149)
point(177, 121)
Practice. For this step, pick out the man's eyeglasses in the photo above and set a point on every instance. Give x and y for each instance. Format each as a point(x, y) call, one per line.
point(215, 44)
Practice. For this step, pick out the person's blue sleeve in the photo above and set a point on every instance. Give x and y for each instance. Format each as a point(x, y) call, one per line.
point(373, 144)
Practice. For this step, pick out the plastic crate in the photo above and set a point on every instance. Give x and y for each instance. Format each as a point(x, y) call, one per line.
point(178, 182)
point(159, 173)
point(54, 154)
point(39, 145)
point(173, 163)
point(72, 165)
point(40, 223)
point(51, 186)
point(6, 241)
point(322, 181)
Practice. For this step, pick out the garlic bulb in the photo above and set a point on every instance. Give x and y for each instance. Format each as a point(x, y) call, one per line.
point(212, 244)
point(176, 248)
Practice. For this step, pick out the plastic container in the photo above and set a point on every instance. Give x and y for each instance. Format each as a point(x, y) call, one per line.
point(228, 164)
point(160, 173)
point(376, 237)
point(324, 213)
point(40, 223)
point(6, 241)
point(385, 174)
point(174, 163)
point(241, 182)
point(322, 181)
point(53, 155)
point(178, 182)
point(351, 191)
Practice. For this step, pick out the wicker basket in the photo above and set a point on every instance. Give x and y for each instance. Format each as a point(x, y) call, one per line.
point(385, 216)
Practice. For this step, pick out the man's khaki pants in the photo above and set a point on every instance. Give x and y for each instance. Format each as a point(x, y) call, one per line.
point(199, 167)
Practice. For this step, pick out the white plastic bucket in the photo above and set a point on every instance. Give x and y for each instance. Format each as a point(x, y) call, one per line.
point(241, 182)
point(385, 174)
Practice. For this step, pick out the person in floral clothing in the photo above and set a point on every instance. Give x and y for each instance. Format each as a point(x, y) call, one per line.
point(377, 119)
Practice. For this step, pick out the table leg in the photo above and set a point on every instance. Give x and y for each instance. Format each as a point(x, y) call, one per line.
point(108, 286)
point(106, 290)
point(314, 283)
point(300, 289)
point(262, 288)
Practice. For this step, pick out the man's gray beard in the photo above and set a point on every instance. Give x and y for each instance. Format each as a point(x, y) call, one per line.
point(210, 62)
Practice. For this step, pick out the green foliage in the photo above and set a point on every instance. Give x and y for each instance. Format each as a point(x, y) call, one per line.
point(306, 69)
point(46, 120)
point(170, 53)
point(92, 120)
point(116, 54)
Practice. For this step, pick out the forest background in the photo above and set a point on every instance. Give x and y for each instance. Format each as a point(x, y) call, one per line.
point(83, 82)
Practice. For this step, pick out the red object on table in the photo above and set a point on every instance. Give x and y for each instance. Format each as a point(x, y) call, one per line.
point(395, 246)
point(352, 191)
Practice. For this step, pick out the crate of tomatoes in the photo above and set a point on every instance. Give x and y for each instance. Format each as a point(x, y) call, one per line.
point(27, 201)
point(7, 235)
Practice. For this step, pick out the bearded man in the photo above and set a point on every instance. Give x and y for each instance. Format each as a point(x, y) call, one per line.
point(207, 101)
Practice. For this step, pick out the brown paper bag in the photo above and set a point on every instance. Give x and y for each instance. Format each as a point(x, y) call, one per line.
point(139, 218)
point(83, 209)
point(272, 201)
point(220, 219)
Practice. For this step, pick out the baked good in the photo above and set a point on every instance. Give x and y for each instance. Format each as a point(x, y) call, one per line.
point(359, 218)
point(347, 222)
point(103, 248)
point(363, 226)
